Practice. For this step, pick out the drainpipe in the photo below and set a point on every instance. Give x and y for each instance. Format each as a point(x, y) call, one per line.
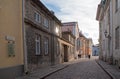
point(112, 32)
point(24, 41)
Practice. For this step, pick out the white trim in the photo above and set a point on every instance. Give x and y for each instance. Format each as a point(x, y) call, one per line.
point(37, 45)
point(37, 17)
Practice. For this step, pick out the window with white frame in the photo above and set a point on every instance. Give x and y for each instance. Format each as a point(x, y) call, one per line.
point(37, 44)
point(46, 45)
point(117, 38)
point(46, 22)
point(37, 17)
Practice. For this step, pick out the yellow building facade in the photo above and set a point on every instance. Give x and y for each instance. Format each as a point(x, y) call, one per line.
point(11, 39)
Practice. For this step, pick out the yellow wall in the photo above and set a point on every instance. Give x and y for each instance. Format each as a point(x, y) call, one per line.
point(11, 25)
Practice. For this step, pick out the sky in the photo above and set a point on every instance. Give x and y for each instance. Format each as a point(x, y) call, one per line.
point(81, 11)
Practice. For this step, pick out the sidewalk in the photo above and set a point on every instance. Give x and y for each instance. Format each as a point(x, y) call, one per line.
point(112, 70)
point(41, 73)
point(44, 72)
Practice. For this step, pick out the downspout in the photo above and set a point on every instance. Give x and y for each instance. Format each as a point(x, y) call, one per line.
point(112, 32)
point(24, 41)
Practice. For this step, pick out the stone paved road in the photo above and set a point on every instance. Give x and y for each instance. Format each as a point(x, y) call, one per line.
point(83, 69)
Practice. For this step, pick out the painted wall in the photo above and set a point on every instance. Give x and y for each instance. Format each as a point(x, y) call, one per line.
point(116, 23)
point(11, 31)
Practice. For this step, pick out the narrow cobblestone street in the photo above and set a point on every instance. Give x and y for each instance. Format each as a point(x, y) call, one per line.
point(82, 69)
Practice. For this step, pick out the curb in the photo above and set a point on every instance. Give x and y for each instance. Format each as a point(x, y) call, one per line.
point(111, 76)
point(54, 72)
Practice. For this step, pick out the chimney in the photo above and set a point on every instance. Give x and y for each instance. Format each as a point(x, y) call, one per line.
point(52, 12)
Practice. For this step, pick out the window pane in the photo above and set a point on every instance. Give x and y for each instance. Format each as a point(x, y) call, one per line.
point(37, 40)
point(37, 17)
point(46, 46)
point(117, 38)
point(46, 22)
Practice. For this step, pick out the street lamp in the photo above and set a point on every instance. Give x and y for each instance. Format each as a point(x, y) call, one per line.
point(107, 35)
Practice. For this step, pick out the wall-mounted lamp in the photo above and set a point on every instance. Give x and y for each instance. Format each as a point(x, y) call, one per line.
point(107, 35)
point(56, 30)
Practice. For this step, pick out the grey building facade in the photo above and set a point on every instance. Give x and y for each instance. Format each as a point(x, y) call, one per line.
point(43, 31)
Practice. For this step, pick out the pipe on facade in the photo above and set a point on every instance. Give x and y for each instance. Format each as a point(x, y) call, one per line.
point(24, 41)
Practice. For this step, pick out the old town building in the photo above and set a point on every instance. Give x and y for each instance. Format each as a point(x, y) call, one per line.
point(73, 27)
point(32, 37)
point(69, 38)
point(11, 39)
point(43, 34)
point(83, 46)
point(95, 50)
point(108, 16)
point(89, 46)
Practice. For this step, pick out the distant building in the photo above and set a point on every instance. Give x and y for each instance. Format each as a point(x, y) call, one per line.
point(68, 46)
point(89, 46)
point(95, 50)
point(82, 45)
point(85, 45)
point(73, 27)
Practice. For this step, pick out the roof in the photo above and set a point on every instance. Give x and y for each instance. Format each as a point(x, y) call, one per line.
point(41, 5)
point(69, 24)
point(81, 35)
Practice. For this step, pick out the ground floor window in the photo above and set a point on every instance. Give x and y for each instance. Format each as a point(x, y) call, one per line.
point(46, 45)
point(57, 45)
point(117, 38)
point(38, 44)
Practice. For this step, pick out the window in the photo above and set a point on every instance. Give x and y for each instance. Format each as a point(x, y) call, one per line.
point(117, 5)
point(81, 43)
point(109, 16)
point(37, 17)
point(46, 45)
point(57, 45)
point(103, 2)
point(69, 38)
point(117, 38)
point(46, 22)
point(71, 49)
point(37, 44)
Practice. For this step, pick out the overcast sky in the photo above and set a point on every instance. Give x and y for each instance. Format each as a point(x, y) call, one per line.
point(81, 11)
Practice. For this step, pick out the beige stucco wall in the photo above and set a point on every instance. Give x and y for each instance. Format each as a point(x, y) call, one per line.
point(11, 25)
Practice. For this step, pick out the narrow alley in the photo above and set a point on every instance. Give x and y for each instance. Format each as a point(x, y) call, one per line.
point(60, 39)
point(82, 69)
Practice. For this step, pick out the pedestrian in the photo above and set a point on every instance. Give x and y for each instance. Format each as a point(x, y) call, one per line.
point(79, 55)
point(89, 56)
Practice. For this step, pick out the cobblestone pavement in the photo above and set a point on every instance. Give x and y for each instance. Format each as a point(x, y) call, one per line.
point(84, 69)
